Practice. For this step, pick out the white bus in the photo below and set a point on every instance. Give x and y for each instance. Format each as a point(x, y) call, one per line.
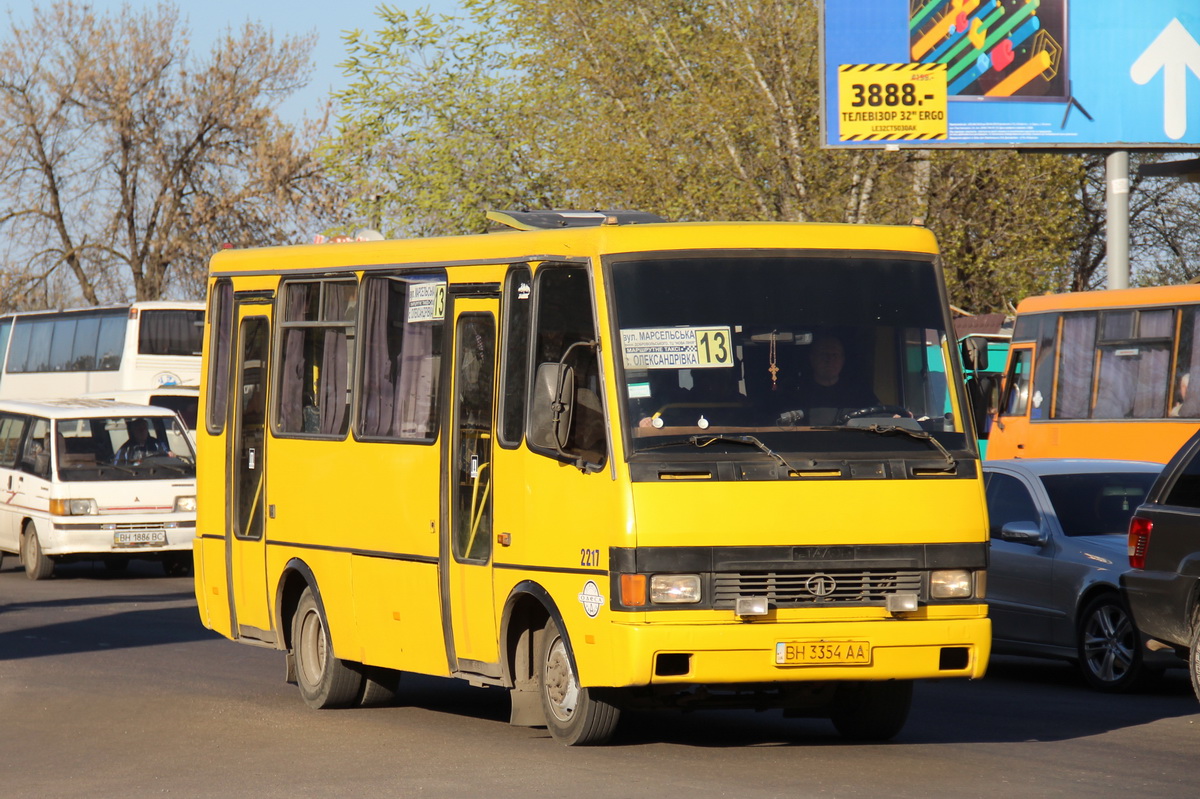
point(95, 351)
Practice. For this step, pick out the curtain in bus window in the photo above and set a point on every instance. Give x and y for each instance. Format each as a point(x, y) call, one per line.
point(314, 372)
point(378, 377)
point(218, 367)
point(291, 395)
point(1186, 402)
point(1150, 399)
point(1133, 374)
point(400, 361)
point(1117, 383)
point(419, 362)
point(171, 332)
point(1075, 366)
point(335, 363)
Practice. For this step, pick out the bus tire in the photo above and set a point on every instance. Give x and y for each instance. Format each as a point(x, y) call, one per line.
point(380, 686)
point(324, 680)
point(575, 716)
point(38, 565)
point(871, 711)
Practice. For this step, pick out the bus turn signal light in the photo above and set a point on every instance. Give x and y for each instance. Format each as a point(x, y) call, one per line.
point(633, 590)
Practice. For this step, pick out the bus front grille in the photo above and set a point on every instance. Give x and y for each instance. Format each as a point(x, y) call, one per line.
point(797, 589)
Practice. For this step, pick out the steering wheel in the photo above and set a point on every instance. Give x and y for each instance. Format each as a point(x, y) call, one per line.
point(875, 410)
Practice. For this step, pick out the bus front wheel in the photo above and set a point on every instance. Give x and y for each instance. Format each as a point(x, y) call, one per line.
point(871, 711)
point(575, 716)
point(38, 565)
point(324, 680)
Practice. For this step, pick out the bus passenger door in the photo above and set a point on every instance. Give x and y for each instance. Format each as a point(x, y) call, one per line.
point(1010, 430)
point(245, 520)
point(467, 533)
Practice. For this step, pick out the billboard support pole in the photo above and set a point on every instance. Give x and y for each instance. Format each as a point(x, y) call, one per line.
point(1116, 179)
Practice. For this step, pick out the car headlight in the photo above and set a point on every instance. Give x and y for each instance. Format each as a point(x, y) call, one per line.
point(950, 584)
point(74, 507)
point(185, 504)
point(675, 589)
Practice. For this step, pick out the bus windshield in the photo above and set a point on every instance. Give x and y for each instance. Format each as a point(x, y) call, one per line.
point(775, 345)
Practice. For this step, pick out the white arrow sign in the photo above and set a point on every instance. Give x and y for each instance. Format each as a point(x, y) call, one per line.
point(1173, 51)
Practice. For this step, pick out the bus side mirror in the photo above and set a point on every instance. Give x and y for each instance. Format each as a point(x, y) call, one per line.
point(552, 407)
point(975, 353)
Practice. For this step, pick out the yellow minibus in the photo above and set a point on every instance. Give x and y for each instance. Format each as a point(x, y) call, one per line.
point(600, 461)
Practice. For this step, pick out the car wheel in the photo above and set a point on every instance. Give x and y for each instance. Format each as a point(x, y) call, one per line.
point(324, 680)
point(871, 711)
point(1194, 655)
point(38, 565)
point(1109, 646)
point(575, 716)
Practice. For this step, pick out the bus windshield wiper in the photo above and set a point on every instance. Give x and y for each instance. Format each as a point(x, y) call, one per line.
point(888, 429)
point(704, 441)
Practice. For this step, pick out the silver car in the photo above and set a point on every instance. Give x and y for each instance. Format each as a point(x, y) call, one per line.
point(1058, 546)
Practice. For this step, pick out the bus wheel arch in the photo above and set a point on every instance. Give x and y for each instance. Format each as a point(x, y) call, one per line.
point(539, 665)
point(295, 578)
point(575, 716)
point(325, 681)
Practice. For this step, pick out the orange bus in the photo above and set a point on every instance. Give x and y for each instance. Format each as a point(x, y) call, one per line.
point(1101, 374)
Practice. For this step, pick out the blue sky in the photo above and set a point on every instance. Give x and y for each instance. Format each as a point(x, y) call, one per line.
point(208, 18)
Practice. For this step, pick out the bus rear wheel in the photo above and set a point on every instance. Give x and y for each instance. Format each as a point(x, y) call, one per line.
point(575, 716)
point(324, 680)
point(871, 711)
point(38, 565)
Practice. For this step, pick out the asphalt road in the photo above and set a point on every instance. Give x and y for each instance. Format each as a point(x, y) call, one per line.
point(109, 686)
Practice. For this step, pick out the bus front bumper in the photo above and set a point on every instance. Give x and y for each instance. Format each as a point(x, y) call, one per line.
point(771, 652)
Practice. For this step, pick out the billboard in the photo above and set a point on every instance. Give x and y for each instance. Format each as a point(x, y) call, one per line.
point(1113, 74)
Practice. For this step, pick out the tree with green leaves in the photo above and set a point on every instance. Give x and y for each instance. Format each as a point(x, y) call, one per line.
point(693, 109)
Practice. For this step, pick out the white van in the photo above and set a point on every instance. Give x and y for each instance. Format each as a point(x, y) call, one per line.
point(89, 478)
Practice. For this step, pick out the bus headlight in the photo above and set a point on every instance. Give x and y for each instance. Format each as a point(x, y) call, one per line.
point(74, 507)
point(185, 504)
point(950, 584)
point(675, 589)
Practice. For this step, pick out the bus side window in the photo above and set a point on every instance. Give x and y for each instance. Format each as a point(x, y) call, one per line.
point(514, 372)
point(314, 378)
point(565, 333)
point(401, 357)
point(221, 320)
point(1016, 385)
